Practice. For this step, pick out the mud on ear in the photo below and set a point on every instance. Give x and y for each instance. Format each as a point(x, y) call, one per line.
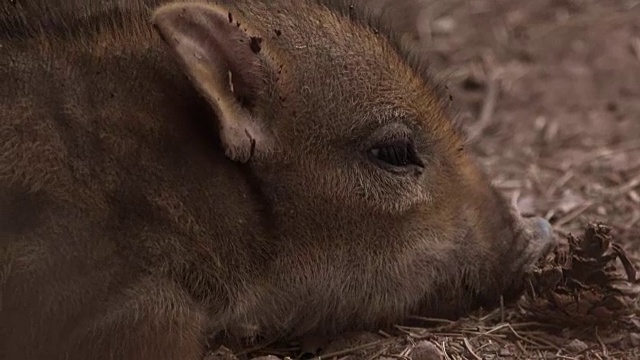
point(223, 62)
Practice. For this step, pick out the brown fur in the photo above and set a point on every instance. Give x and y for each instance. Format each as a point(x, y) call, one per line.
point(133, 224)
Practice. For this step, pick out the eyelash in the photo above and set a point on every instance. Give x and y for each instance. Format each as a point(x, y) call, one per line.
point(397, 154)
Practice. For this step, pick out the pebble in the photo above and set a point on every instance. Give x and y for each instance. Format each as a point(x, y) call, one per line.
point(425, 350)
point(444, 25)
point(576, 346)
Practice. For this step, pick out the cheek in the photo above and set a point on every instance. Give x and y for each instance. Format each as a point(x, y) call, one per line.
point(357, 187)
point(388, 193)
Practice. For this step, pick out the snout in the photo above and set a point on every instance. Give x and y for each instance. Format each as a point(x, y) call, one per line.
point(542, 230)
point(540, 237)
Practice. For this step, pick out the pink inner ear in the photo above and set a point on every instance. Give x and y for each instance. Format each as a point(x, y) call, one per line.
point(202, 34)
point(239, 52)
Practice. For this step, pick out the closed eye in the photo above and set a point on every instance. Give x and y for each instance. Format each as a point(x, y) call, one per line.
point(398, 154)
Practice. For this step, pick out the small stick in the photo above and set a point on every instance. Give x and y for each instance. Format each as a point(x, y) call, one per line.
point(542, 32)
point(444, 351)
point(560, 183)
point(628, 146)
point(488, 108)
point(377, 354)
point(573, 214)
point(635, 44)
point(445, 321)
point(355, 348)
point(633, 221)
point(624, 188)
point(602, 345)
point(470, 349)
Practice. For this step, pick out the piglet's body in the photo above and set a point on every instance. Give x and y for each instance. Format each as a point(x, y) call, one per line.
point(172, 170)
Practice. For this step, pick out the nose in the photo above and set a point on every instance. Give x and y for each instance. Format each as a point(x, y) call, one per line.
point(542, 228)
point(541, 233)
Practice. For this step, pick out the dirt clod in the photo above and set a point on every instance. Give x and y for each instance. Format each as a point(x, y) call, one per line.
point(576, 346)
point(255, 44)
point(425, 350)
point(222, 353)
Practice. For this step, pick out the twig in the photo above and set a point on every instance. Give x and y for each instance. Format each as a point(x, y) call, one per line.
point(635, 44)
point(628, 146)
point(444, 351)
point(542, 32)
point(558, 356)
point(488, 108)
point(407, 350)
point(633, 221)
point(355, 348)
point(534, 324)
point(559, 183)
point(530, 340)
point(602, 345)
point(470, 349)
point(624, 188)
point(255, 348)
point(377, 354)
point(495, 337)
point(483, 346)
point(428, 319)
point(573, 214)
point(488, 316)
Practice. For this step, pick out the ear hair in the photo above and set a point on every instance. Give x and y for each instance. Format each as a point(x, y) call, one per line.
point(222, 60)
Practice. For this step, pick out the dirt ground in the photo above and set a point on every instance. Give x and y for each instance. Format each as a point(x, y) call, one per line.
point(559, 81)
point(549, 93)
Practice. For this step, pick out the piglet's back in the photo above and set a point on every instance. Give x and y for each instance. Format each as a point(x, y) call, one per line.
point(108, 170)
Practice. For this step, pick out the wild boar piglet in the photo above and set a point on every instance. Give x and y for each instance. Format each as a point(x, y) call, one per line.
point(172, 170)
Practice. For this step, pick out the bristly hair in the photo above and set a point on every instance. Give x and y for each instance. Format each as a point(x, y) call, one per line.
point(20, 19)
point(65, 19)
point(412, 52)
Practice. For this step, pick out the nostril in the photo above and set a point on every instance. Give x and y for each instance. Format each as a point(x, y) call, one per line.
point(539, 238)
point(542, 235)
point(542, 228)
point(539, 231)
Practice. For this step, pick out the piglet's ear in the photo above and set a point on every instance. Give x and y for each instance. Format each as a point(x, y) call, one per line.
point(223, 61)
